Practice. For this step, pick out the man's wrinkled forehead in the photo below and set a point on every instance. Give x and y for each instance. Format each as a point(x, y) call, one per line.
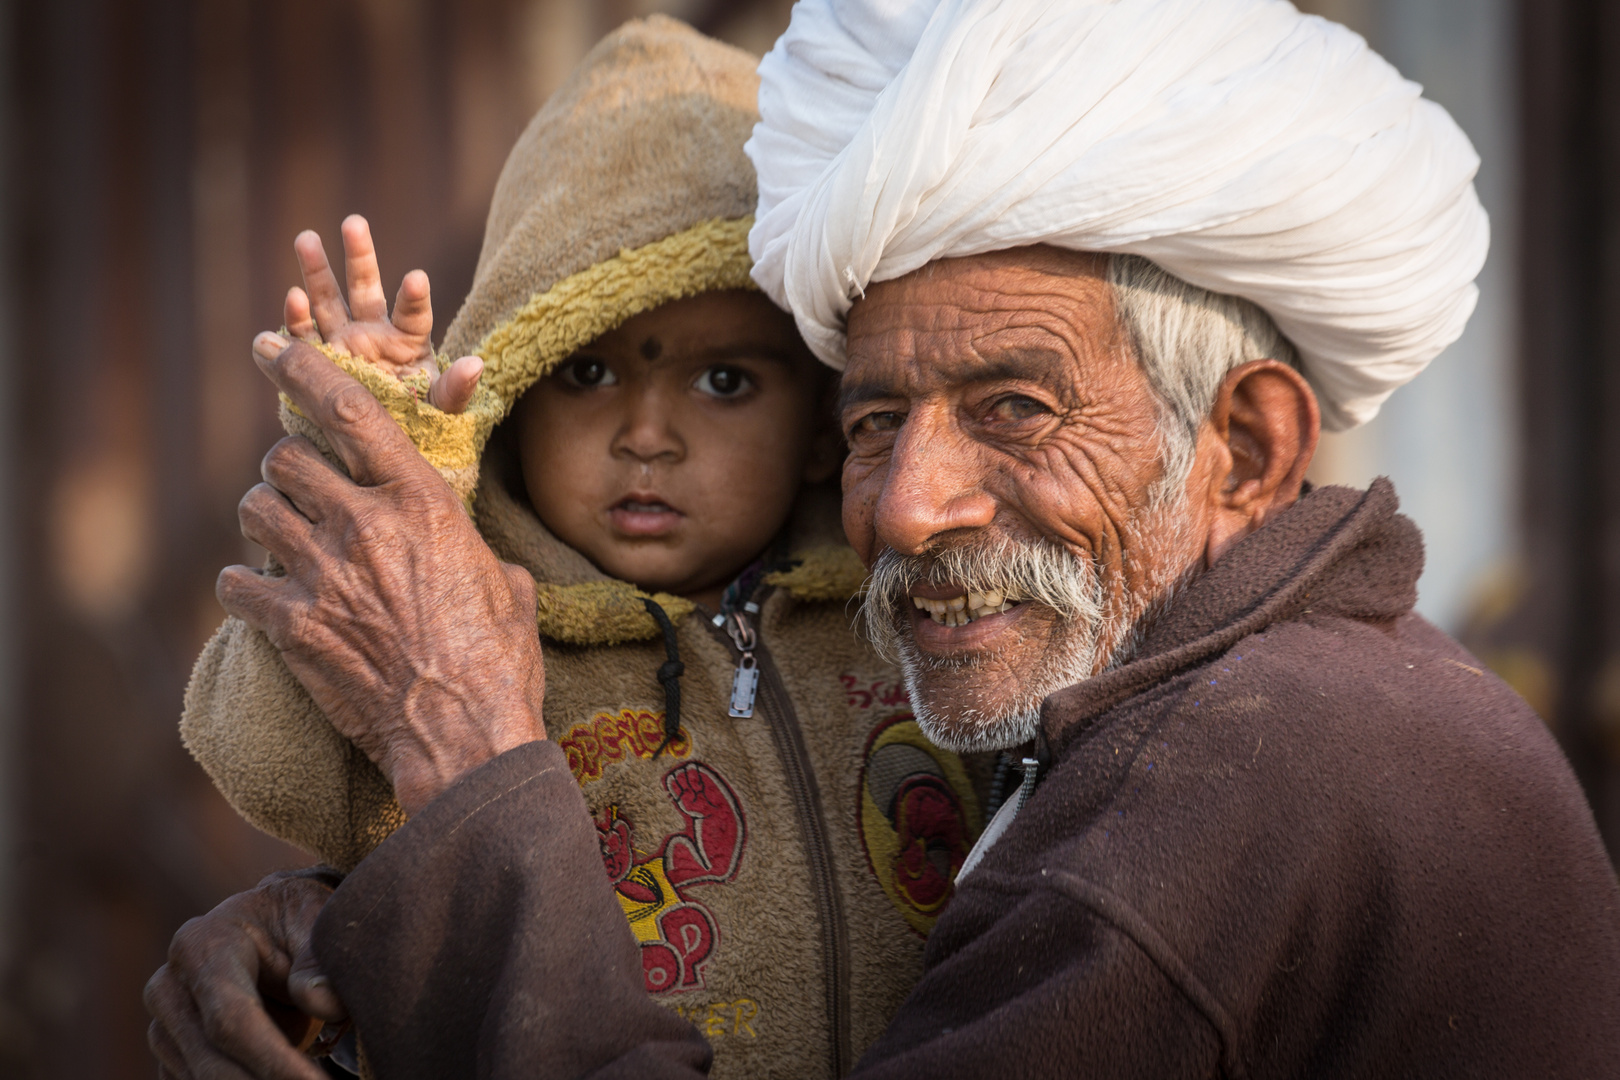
point(1031, 314)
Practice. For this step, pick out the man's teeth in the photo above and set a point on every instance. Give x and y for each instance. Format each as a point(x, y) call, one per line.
point(961, 610)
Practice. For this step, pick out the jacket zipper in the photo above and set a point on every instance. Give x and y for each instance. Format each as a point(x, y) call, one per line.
point(789, 741)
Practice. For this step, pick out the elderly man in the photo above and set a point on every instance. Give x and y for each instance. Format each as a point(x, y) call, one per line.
point(1095, 272)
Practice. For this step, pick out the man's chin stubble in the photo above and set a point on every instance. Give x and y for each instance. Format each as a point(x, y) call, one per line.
point(977, 717)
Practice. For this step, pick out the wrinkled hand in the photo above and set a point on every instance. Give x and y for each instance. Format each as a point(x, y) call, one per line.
point(415, 641)
point(242, 990)
point(399, 344)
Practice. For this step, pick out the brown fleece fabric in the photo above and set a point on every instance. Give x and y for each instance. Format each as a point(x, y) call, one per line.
point(1304, 834)
point(786, 927)
point(448, 990)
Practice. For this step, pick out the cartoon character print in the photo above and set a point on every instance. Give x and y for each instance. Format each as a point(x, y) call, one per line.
point(931, 836)
point(917, 812)
point(678, 935)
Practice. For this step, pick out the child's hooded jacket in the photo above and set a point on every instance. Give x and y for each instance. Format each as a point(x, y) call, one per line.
point(779, 870)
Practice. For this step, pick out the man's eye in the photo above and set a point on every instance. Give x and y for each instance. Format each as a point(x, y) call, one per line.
point(877, 423)
point(1017, 407)
point(723, 382)
point(588, 372)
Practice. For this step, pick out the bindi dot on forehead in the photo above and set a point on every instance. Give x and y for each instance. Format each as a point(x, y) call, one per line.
point(652, 349)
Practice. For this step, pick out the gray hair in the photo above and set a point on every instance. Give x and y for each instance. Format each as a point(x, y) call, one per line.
point(1186, 340)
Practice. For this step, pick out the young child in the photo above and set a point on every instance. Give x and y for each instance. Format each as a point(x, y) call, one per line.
point(644, 433)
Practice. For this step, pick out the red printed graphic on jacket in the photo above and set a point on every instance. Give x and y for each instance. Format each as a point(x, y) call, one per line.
point(609, 738)
point(678, 935)
point(915, 806)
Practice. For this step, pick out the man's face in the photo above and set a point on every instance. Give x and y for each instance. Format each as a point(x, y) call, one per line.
point(1004, 462)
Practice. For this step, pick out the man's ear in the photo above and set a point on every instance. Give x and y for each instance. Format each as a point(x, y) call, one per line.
point(1266, 420)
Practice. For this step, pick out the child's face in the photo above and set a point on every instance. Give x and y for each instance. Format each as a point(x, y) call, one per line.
point(670, 451)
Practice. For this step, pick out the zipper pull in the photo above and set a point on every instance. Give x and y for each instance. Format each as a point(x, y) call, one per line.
point(745, 683)
point(743, 687)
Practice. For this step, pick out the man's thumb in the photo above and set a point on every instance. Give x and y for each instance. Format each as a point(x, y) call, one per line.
point(312, 991)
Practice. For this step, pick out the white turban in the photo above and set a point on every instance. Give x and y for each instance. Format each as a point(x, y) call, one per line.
point(1242, 146)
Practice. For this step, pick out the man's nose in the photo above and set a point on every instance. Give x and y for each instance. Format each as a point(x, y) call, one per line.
point(934, 484)
point(647, 432)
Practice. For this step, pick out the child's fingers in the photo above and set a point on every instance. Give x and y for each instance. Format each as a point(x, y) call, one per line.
point(413, 307)
point(325, 296)
point(452, 391)
point(295, 315)
point(366, 300)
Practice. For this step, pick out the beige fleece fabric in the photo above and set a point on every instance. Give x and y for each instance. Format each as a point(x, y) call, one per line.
point(899, 812)
point(629, 190)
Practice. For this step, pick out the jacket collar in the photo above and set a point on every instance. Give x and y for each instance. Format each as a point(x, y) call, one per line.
point(1336, 550)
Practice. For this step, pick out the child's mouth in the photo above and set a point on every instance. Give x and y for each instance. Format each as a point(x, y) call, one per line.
point(644, 515)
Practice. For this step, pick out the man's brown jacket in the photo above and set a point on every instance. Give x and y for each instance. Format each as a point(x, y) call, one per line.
point(1304, 834)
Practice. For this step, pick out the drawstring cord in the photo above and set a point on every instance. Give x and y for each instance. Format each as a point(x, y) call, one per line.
point(670, 671)
point(669, 674)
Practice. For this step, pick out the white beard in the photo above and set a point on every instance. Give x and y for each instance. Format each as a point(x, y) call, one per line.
point(1092, 633)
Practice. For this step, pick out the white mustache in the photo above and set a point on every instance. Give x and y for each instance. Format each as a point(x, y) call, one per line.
point(1035, 571)
point(1095, 629)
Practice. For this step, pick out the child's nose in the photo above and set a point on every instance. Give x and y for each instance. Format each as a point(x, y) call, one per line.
point(648, 435)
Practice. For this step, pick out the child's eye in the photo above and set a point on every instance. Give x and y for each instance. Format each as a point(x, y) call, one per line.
point(588, 372)
point(723, 382)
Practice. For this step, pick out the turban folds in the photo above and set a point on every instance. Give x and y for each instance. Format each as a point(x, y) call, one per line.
point(1242, 146)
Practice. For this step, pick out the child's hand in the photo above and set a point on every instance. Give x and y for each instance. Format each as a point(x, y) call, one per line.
point(362, 327)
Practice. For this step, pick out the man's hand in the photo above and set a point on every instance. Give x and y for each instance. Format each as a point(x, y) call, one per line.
point(241, 984)
point(417, 643)
point(399, 344)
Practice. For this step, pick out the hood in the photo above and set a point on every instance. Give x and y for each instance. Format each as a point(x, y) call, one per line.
point(629, 189)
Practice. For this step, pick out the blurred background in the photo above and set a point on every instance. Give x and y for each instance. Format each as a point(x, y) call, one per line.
point(158, 156)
